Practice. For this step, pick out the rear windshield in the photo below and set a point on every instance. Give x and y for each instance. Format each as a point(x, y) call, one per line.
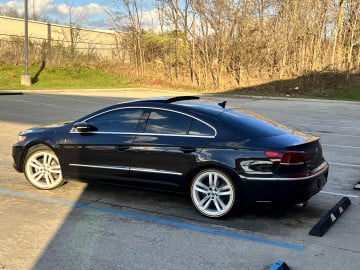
point(248, 124)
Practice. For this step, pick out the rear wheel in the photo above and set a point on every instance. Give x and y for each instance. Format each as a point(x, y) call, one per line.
point(213, 193)
point(42, 168)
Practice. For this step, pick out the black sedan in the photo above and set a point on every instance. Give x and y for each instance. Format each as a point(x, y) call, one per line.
point(223, 158)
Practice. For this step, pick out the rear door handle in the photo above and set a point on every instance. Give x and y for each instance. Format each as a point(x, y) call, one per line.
point(122, 148)
point(187, 150)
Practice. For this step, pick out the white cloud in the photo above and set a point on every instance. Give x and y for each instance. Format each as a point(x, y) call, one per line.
point(90, 14)
point(13, 5)
point(60, 12)
point(149, 20)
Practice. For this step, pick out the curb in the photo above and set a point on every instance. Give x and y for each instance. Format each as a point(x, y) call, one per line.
point(174, 93)
point(330, 217)
point(10, 93)
point(281, 98)
point(279, 265)
point(357, 186)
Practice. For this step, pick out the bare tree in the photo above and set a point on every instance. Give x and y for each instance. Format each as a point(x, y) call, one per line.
point(127, 15)
point(8, 11)
point(352, 34)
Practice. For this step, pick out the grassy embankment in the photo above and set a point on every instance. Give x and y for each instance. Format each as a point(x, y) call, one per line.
point(76, 77)
point(325, 85)
point(315, 85)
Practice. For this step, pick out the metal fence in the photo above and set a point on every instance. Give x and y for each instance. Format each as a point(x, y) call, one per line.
point(75, 49)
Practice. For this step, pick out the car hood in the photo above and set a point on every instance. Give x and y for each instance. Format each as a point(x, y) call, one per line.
point(53, 126)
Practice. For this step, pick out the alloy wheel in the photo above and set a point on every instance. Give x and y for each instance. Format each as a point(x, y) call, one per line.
point(42, 169)
point(213, 193)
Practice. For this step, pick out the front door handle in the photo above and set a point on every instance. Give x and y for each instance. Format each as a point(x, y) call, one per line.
point(122, 148)
point(188, 150)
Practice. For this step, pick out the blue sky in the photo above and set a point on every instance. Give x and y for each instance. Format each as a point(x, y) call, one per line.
point(90, 13)
point(84, 13)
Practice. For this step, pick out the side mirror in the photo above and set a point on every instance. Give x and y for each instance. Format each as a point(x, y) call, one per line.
point(84, 127)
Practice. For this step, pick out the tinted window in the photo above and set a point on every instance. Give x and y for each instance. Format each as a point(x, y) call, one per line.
point(123, 120)
point(166, 122)
point(250, 125)
point(200, 129)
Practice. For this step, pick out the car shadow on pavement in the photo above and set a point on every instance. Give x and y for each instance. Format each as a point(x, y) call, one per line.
point(109, 223)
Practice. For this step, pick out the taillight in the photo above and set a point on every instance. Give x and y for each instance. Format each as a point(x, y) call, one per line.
point(288, 157)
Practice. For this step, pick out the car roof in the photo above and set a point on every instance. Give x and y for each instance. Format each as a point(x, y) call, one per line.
point(183, 104)
point(190, 104)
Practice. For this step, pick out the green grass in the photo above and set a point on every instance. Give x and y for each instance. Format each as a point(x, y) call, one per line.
point(326, 85)
point(322, 85)
point(74, 77)
point(345, 93)
point(351, 94)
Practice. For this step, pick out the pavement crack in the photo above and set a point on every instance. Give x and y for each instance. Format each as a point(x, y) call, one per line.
point(79, 205)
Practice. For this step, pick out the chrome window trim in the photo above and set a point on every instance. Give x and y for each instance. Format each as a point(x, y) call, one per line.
point(316, 172)
point(123, 168)
point(154, 171)
point(144, 133)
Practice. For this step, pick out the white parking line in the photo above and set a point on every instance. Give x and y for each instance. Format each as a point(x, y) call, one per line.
point(346, 165)
point(329, 120)
point(336, 134)
point(30, 102)
point(71, 99)
point(340, 194)
point(343, 146)
point(337, 127)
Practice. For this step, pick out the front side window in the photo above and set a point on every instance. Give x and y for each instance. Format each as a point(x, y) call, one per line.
point(167, 122)
point(122, 120)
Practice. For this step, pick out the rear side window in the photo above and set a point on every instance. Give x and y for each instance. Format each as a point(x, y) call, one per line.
point(198, 128)
point(123, 120)
point(167, 122)
point(251, 125)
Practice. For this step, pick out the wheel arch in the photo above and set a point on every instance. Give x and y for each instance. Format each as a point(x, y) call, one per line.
point(232, 206)
point(211, 165)
point(30, 147)
point(42, 167)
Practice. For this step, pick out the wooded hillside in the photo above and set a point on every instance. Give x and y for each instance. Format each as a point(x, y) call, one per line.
point(228, 44)
point(238, 43)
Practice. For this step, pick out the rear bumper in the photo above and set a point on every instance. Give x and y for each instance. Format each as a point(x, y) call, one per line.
point(285, 190)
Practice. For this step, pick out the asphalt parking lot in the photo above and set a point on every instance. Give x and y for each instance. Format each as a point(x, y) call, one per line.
point(88, 226)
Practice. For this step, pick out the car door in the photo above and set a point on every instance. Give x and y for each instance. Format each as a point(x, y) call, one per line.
point(167, 148)
point(99, 147)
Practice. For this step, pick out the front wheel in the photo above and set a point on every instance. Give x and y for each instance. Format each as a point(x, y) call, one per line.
point(213, 193)
point(42, 168)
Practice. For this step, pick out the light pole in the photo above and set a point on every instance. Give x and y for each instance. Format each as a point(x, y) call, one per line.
point(26, 77)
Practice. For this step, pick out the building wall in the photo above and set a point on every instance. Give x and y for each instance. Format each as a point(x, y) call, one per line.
point(104, 43)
